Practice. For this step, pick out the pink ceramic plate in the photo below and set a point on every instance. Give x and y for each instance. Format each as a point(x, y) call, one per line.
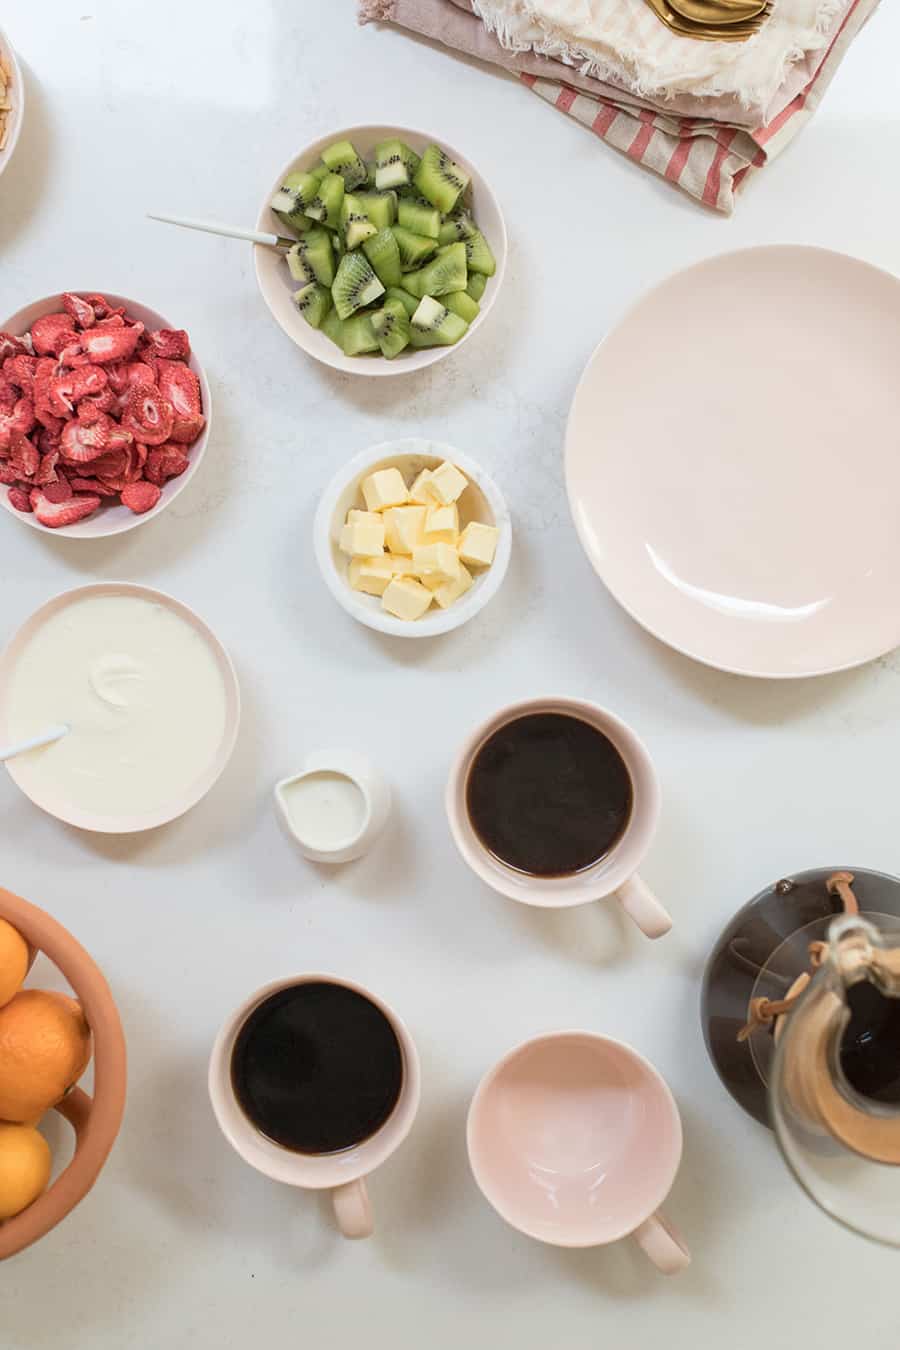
point(733, 461)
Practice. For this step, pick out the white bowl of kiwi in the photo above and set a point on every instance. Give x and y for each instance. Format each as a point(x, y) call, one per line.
point(400, 249)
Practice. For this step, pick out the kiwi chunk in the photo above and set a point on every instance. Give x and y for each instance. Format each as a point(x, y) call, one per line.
point(313, 302)
point(409, 302)
point(355, 285)
point(312, 258)
point(355, 224)
point(341, 157)
point(458, 225)
point(420, 217)
point(358, 335)
point(333, 328)
point(380, 207)
point(326, 205)
point(476, 285)
point(440, 179)
point(414, 248)
point(479, 256)
point(395, 164)
point(391, 327)
point(384, 255)
point(295, 193)
point(461, 303)
point(433, 325)
point(447, 272)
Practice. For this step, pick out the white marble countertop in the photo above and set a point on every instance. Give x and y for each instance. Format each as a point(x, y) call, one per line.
point(190, 107)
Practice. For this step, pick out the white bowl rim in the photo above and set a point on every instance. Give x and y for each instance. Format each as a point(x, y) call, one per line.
point(87, 820)
point(172, 488)
point(406, 362)
point(435, 622)
point(18, 109)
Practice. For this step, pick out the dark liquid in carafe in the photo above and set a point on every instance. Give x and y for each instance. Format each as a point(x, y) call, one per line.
point(549, 794)
point(317, 1068)
point(870, 1046)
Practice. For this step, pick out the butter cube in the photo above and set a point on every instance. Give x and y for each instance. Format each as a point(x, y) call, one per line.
point(362, 538)
point(406, 598)
point(442, 525)
point(371, 575)
point(401, 564)
point(404, 527)
point(436, 560)
point(384, 488)
point(478, 543)
point(355, 517)
point(447, 484)
point(448, 592)
point(420, 491)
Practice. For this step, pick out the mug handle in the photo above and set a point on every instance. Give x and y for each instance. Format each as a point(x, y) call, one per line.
point(659, 1240)
point(353, 1209)
point(642, 906)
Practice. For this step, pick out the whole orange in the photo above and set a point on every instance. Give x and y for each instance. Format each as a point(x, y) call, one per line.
point(13, 961)
point(45, 1047)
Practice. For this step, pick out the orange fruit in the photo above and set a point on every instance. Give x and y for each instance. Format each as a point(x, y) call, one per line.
point(24, 1168)
point(13, 961)
point(45, 1046)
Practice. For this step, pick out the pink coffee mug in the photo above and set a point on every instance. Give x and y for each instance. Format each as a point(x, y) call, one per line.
point(616, 872)
point(575, 1140)
point(342, 1173)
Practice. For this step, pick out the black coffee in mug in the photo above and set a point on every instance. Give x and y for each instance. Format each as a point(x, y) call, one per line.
point(317, 1067)
point(548, 794)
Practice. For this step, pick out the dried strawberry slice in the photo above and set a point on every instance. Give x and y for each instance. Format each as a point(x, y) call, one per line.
point(83, 441)
point(60, 491)
point(82, 311)
point(180, 386)
point(19, 370)
point(101, 306)
point(148, 416)
point(21, 419)
point(54, 514)
point(111, 344)
point(165, 462)
point(105, 402)
point(110, 465)
point(140, 497)
point(19, 498)
point(173, 344)
point(51, 332)
point(48, 440)
point(8, 394)
point(8, 475)
point(12, 346)
point(46, 471)
point(67, 389)
point(92, 485)
point(113, 321)
point(24, 456)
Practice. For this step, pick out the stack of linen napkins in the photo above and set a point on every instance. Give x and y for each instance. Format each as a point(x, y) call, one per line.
point(702, 115)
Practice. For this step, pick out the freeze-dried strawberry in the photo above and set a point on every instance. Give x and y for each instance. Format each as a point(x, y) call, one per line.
point(8, 475)
point(173, 344)
point(66, 390)
point(181, 387)
point(46, 470)
point(101, 306)
point(47, 439)
point(140, 497)
point(58, 491)
point(125, 375)
point(12, 346)
point(165, 462)
point(120, 438)
point(74, 356)
point(148, 416)
point(55, 514)
point(110, 465)
point(19, 498)
point(24, 456)
point(111, 344)
point(92, 485)
point(106, 401)
point(82, 311)
point(19, 370)
point(114, 320)
point(8, 394)
point(20, 419)
point(84, 441)
point(52, 332)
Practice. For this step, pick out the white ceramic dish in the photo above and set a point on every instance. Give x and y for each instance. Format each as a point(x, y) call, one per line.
point(114, 518)
point(182, 800)
point(480, 501)
point(17, 98)
point(375, 795)
point(732, 465)
point(276, 284)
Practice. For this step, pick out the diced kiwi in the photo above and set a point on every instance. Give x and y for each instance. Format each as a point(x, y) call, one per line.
point(380, 207)
point(326, 205)
point(383, 253)
point(414, 248)
point(355, 285)
point(476, 285)
point(355, 224)
point(341, 157)
point(333, 328)
point(440, 179)
point(358, 335)
point(312, 258)
point(313, 302)
point(409, 302)
point(420, 217)
point(433, 325)
point(371, 167)
point(479, 256)
point(319, 171)
point(461, 303)
point(458, 225)
point(295, 193)
point(445, 273)
point(391, 327)
point(395, 164)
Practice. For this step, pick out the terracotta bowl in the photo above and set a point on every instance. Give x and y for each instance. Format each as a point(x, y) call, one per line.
point(96, 1119)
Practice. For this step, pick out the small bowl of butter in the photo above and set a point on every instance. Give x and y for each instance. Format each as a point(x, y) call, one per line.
point(412, 538)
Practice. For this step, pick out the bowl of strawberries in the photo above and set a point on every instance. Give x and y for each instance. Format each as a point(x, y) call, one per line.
point(104, 414)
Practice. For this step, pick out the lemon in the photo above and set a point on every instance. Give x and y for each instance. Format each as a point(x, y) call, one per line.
point(24, 1168)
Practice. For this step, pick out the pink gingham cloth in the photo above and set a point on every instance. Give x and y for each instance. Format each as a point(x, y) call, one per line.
point(703, 146)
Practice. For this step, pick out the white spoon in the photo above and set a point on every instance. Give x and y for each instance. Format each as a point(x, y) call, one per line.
point(278, 241)
point(51, 734)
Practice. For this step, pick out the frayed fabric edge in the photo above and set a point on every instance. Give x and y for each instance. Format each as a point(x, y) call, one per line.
point(375, 11)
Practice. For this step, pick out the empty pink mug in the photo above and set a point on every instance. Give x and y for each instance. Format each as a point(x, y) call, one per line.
point(575, 1140)
point(613, 875)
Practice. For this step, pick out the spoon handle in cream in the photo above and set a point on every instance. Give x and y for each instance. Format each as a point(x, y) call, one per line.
point(45, 737)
